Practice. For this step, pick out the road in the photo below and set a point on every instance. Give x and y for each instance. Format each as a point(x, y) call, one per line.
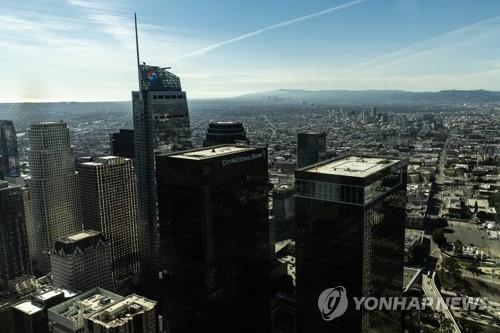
point(469, 275)
point(432, 292)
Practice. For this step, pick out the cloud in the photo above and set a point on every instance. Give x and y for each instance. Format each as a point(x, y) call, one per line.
point(212, 47)
point(462, 36)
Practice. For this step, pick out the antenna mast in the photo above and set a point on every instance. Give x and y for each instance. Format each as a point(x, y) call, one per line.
point(137, 52)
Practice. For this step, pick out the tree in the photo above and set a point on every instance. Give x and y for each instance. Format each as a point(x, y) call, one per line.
point(458, 246)
point(451, 265)
point(438, 236)
point(473, 267)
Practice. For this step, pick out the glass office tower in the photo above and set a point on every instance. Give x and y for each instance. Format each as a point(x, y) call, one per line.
point(214, 231)
point(161, 124)
point(350, 215)
point(9, 157)
point(311, 148)
point(54, 191)
point(14, 248)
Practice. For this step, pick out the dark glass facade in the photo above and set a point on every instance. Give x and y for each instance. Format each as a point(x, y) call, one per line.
point(311, 148)
point(14, 249)
point(350, 233)
point(123, 143)
point(214, 231)
point(161, 124)
point(284, 211)
point(225, 132)
point(9, 157)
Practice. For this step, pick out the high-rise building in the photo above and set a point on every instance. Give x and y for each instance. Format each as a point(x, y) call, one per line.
point(132, 314)
point(161, 124)
point(214, 231)
point(284, 211)
point(30, 230)
point(9, 158)
point(225, 132)
point(81, 261)
point(14, 246)
point(123, 143)
point(350, 215)
point(69, 316)
point(311, 148)
point(109, 205)
point(55, 201)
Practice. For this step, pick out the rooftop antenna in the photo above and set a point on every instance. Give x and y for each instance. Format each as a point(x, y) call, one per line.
point(137, 52)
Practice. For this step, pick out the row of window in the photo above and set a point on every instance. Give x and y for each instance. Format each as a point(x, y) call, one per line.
point(168, 96)
point(346, 193)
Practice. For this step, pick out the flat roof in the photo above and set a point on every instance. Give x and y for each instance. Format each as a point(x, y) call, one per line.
point(353, 166)
point(212, 152)
point(28, 307)
point(120, 312)
point(87, 304)
point(49, 294)
point(79, 236)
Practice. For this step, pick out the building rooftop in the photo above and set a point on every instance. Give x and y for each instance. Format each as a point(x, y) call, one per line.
point(353, 166)
point(28, 307)
point(83, 240)
point(84, 305)
point(79, 236)
point(413, 236)
point(410, 276)
point(106, 160)
point(49, 294)
point(212, 152)
point(119, 313)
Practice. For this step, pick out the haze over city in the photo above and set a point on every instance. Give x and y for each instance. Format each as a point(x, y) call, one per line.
point(250, 166)
point(83, 50)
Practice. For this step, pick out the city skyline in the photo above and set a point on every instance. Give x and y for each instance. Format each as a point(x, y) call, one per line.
point(228, 49)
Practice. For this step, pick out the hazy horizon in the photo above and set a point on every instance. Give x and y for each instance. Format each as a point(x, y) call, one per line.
point(83, 50)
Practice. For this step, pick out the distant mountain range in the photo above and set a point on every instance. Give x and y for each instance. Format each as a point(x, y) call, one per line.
point(377, 97)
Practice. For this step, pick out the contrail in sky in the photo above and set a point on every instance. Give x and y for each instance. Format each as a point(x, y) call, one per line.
point(206, 49)
point(442, 41)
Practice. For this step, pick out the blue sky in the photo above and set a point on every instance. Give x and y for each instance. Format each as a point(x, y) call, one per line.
point(83, 50)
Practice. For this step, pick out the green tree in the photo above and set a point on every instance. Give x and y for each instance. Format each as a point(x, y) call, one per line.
point(473, 267)
point(438, 236)
point(451, 265)
point(458, 246)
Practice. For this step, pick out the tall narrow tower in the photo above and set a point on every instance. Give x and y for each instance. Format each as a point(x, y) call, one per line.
point(55, 201)
point(9, 158)
point(161, 123)
point(14, 251)
point(109, 205)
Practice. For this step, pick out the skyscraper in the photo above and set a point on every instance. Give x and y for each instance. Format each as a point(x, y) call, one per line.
point(123, 143)
point(311, 148)
point(14, 248)
point(55, 200)
point(109, 205)
point(161, 124)
point(214, 227)
point(284, 211)
point(225, 132)
point(350, 233)
point(9, 158)
point(81, 261)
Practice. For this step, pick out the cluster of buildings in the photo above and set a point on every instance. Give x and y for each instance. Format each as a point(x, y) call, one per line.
point(230, 236)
